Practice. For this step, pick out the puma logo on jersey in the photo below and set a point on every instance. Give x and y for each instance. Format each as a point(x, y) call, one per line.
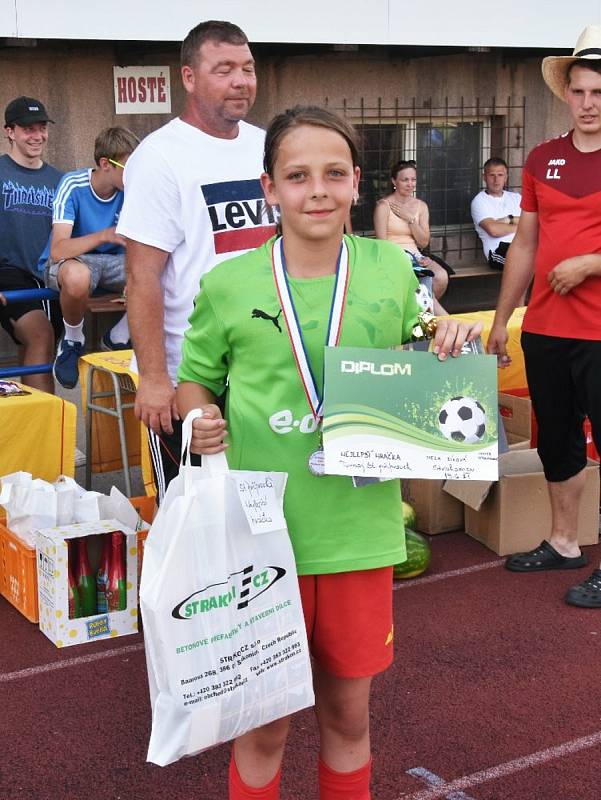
point(258, 314)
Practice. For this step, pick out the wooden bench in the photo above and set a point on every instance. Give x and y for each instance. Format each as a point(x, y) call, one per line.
point(97, 308)
point(473, 271)
point(473, 287)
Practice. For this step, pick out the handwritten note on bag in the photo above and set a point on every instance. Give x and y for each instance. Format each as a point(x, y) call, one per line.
point(261, 504)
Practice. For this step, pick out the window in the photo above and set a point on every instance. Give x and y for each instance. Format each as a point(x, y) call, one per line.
point(448, 169)
point(448, 159)
point(379, 148)
point(450, 144)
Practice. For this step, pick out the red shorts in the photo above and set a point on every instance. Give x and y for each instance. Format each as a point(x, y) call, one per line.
point(348, 616)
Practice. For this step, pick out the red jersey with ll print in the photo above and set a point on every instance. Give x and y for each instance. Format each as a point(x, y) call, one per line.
point(563, 186)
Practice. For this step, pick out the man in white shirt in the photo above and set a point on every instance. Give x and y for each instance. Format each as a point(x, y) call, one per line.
point(192, 199)
point(496, 213)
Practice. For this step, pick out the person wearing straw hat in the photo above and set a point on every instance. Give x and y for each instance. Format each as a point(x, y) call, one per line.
point(558, 241)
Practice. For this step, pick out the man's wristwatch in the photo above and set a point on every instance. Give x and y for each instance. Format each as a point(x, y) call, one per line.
point(510, 218)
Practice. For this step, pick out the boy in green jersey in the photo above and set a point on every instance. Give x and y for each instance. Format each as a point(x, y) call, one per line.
point(260, 324)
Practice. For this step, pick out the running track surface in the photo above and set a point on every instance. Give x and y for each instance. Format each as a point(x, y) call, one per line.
point(495, 694)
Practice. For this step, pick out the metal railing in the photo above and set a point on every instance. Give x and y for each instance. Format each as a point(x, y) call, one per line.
point(450, 141)
point(25, 296)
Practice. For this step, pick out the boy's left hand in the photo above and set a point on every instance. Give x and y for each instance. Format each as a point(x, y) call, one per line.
point(451, 335)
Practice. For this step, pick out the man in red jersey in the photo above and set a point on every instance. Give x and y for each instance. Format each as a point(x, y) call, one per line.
point(559, 242)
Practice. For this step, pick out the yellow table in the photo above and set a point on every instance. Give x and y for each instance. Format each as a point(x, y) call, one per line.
point(104, 453)
point(513, 376)
point(37, 435)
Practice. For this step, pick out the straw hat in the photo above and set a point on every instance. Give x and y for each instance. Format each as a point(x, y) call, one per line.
point(555, 68)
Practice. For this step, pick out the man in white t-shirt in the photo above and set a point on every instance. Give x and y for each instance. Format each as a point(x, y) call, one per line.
point(192, 199)
point(496, 213)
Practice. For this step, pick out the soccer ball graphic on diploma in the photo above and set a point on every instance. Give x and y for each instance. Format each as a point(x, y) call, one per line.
point(462, 419)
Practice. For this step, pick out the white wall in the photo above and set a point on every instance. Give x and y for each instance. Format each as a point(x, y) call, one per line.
point(8, 19)
point(551, 24)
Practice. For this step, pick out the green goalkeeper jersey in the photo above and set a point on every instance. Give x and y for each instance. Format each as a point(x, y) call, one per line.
point(238, 336)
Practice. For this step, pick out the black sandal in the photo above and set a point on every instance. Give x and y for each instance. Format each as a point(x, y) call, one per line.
point(545, 556)
point(587, 594)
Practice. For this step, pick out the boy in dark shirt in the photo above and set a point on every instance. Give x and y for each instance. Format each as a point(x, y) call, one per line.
point(27, 184)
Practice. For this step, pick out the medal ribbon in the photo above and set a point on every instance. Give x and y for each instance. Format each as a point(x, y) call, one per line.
point(294, 332)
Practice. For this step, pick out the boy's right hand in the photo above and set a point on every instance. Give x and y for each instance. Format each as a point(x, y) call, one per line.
point(208, 432)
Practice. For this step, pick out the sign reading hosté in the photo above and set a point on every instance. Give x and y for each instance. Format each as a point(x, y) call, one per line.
point(142, 90)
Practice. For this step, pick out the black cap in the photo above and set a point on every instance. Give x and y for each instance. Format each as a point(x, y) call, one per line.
point(25, 111)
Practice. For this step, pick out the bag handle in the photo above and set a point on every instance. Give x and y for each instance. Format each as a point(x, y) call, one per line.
point(216, 464)
point(5, 492)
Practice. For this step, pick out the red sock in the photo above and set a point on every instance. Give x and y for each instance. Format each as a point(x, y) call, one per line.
point(344, 785)
point(238, 790)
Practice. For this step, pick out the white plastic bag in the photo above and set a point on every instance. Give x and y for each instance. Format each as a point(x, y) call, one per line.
point(88, 506)
point(29, 503)
point(117, 506)
point(67, 492)
point(224, 633)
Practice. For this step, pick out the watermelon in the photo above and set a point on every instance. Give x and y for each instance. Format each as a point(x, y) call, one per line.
point(418, 556)
point(409, 516)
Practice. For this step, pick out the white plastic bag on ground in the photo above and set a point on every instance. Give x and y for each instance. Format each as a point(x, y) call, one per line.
point(88, 507)
point(224, 633)
point(29, 504)
point(117, 506)
point(32, 504)
point(67, 492)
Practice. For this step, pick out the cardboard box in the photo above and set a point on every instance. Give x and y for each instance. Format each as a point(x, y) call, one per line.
point(516, 443)
point(53, 594)
point(514, 514)
point(18, 563)
point(516, 414)
point(436, 511)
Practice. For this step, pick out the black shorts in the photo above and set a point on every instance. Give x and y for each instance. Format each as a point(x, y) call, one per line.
point(496, 258)
point(564, 378)
point(12, 278)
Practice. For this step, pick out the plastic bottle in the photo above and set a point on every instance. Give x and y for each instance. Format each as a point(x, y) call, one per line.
point(74, 604)
point(116, 588)
point(102, 576)
point(85, 580)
